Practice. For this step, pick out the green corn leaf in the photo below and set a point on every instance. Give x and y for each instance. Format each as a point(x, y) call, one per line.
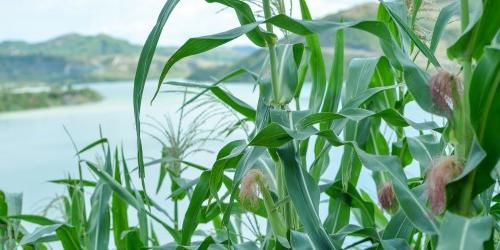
point(38, 233)
point(66, 234)
point(118, 212)
point(299, 240)
point(365, 95)
point(290, 57)
point(483, 27)
point(425, 148)
point(200, 194)
point(384, 77)
point(77, 218)
point(222, 163)
point(93, 144)
point(423, 48)
point(391, 116)
point(273, 136)
point(245, 16)
point(132, 239)
point(442, 20)
point(99, 218)
point(226, 97)
point(361, 71)
point(484, 109)
point(413, 207)
point(336, 79)
point(353, 199)
point(225, 78)
point(463, 233)
point(338, 216)
point(398, 227)
point(202, 44)
point(133, 200)
point(115, 186)
point(235, 103)
point(395, 244)
point(68, 237)
point(35, 219)
point(355, 230)
point(74, 182)
point(300, 194)
point(316, 63)
point(141, 75)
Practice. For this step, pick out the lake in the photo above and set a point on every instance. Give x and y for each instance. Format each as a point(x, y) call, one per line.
point(35, 148)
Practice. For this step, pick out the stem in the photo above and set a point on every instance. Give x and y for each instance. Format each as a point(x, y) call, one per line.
point(272, 53)
point(273, 216)
point(466, 197)
point(176, 215)
point(464, 14)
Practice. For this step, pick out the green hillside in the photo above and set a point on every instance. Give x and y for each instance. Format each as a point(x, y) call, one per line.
point(77, 58)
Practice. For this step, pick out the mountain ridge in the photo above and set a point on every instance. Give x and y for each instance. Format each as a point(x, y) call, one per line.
point(82, 58)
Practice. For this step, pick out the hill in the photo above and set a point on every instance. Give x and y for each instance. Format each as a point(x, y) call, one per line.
point(78, 58)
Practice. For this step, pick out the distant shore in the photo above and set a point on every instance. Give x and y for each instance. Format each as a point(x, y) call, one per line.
point(45, 97)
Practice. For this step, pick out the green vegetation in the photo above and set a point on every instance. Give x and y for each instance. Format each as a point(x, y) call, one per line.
point(55, 96)
point(437, 184)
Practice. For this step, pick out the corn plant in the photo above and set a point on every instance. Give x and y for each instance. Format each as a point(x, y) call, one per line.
point(266, 190)
point(444, 206)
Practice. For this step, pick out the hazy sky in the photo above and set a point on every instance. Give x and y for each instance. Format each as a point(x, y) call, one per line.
point(39, 20)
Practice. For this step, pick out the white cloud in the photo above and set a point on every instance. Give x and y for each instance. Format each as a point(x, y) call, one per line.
point(37, 20)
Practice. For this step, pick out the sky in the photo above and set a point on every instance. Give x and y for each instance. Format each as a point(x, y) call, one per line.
point(40, 20)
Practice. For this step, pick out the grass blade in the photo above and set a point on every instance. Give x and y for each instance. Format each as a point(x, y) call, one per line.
point(141, 75)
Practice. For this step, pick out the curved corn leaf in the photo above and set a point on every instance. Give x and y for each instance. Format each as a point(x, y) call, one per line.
point(225, 78)
point(316, 63)
point(335, 81)
point(352, 198)
point(484, 109)
point(93, 144)
point(391, 116)
point(200, 194)
point(141, 75)
point(118, 212)
point(442, 20)
point(199, 45)
point(245, 16)
point(300, 194)
point(399, 20)
point(398, 227)
point(99, 218)
point(126, 195)
point(66, 234)
point(463, 233)
point(425, 148)
point(483, 27)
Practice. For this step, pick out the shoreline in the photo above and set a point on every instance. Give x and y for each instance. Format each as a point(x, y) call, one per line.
point(12, 100)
